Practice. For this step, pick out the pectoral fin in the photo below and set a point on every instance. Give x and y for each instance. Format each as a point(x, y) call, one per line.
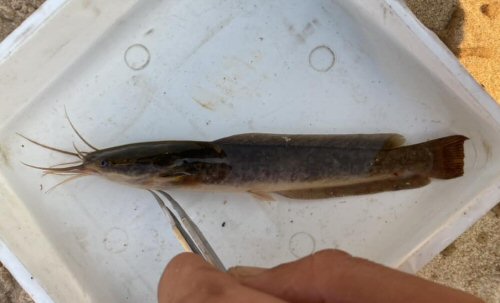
point(262, 196)
point(357, 189)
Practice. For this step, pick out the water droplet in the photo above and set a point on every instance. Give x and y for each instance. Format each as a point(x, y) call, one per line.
point(302, 244)
point(116, 240)
point(137, 56)
point(322, 58)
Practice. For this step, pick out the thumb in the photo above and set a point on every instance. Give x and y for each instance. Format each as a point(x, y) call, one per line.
point(335, 276)
point(189, 278)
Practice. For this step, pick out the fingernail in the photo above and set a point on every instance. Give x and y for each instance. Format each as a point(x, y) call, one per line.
point(245, 271)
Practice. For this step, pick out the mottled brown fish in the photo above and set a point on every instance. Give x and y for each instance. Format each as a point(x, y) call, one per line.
point(294, 166)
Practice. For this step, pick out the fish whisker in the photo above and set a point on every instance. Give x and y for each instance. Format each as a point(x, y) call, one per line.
point(81, 155)
point(75, 168)
point(76, 132)
point(49, 147)
point(65, 181)
point(66, 163)
point(45, 173)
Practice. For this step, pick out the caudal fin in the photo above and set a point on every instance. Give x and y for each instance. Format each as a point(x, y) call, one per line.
point(448, 156)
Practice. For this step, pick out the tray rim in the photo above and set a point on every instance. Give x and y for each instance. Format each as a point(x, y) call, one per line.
point(415, 259)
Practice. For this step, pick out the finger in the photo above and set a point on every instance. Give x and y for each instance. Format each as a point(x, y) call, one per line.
point(188, 278)
point(335, 276)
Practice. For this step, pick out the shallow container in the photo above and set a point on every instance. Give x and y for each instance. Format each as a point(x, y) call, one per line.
point(130, 71)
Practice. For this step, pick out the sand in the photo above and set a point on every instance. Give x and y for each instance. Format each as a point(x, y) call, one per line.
point(10, 292)
point(13, 12)
point(471, 29)
point(472, 262)
point(479, 50)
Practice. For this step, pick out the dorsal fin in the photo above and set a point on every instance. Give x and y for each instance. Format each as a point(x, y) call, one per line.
point(359, 141)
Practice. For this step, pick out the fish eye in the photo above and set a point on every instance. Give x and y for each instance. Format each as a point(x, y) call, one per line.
point(104, 163)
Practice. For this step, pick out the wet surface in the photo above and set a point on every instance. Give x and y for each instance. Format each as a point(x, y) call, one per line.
point(137, 56)
point(302, 244)
point(481, 273)
point(322, 58)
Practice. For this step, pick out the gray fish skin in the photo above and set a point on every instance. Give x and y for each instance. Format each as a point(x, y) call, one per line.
point(295, 166)
point(265, 162)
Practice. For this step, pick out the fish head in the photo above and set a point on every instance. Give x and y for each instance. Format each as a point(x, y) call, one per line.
point(154, 164)
point(131, 165)
point(146, 165)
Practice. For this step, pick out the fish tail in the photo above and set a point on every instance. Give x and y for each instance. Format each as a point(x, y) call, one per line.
point(448, 156)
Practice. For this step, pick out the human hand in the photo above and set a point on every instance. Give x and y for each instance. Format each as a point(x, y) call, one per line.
point(326, 276)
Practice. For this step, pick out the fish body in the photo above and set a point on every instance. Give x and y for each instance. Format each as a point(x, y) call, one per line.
point(295, 166)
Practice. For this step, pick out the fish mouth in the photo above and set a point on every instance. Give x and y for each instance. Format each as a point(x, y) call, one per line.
point(71, 172)
point(79, 169)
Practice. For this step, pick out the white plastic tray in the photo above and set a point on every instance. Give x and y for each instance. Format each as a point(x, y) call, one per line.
point(130, 71)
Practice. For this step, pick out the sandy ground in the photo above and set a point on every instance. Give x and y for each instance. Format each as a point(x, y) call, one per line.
point(12, 13)
point(472, 262)
point(471, 29)
point(10, 292)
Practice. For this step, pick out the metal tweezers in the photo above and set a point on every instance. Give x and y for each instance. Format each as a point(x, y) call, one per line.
point(186, 231)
